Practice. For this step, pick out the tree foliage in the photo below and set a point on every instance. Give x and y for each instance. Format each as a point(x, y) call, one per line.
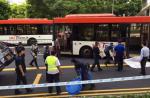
point(59, 8)
point(4, 9)
point(18, 11)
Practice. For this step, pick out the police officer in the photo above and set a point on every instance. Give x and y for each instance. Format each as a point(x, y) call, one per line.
point(96, 56)
point(20, 71)
point(53, 71)
point(119, 52)
point(144, 55)
point(34, 52)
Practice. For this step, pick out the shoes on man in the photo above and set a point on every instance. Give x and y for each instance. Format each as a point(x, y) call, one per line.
point(142, 73)
point(17, 92)
point(58, 93)
point(92, 70)
point(92, 86)
point(100, 69)
point(29, 91)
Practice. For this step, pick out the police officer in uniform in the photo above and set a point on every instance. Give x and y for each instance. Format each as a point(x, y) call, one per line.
point(53, 71)
point(20, 70)
point(119, 52)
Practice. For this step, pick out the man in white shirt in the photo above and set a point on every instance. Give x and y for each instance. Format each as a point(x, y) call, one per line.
point(53, 71)
point(144, 57)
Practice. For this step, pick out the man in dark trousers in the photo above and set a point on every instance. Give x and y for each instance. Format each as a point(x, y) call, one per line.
point(53, 71)
point(20, 71)
point(83, 70)
point(57, 46)
point(119, 52)
point(144, 55)
point(20, 46)
point(96, 55)
point(46, 52)
point(107, 51)
point(34, 53)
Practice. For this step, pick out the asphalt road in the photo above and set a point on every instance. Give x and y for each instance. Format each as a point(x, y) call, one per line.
point(9, 77)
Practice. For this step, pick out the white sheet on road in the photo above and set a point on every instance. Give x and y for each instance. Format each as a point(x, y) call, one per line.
point(135, 62)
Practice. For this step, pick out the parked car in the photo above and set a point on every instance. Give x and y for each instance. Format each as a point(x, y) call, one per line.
point(6, 56)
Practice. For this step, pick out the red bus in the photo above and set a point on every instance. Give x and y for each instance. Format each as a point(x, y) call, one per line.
point(79, 32)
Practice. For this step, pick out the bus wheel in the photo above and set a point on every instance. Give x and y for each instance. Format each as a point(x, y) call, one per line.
point(86, 52)
point(31, 41)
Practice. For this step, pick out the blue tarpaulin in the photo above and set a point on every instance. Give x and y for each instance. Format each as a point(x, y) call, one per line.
point(74, 89)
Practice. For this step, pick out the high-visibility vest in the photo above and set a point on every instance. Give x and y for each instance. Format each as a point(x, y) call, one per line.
point(51, 62)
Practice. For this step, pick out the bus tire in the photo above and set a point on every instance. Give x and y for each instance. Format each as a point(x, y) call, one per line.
point(86, 52)
point(31, 41)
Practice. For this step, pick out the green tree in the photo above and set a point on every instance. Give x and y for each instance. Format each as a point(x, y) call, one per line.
point(127, 8)
point(4, 9)
point(39, 8)
point(18, 11)
point(60, 8)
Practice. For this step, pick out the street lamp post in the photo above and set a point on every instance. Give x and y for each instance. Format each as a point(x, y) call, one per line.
point(112, 7)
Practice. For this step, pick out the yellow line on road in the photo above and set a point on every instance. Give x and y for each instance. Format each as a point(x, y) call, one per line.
point(63, 67)
point(86, 93)
point(37, 79)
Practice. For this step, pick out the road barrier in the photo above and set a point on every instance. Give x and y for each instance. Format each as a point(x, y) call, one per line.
point(75, 82)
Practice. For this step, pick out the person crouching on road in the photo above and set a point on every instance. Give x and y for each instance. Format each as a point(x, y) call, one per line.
point(53, 71)
point(83, 71)
point(20, 71)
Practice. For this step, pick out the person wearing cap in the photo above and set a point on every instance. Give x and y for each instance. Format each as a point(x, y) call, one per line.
point(20, 71)
point(107, 51)
point(53, 71)
point(144, 55)
point(119, 53)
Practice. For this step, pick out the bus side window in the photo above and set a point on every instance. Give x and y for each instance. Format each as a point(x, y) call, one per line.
point(86, 32)
point(46, 29)
point(34, 29)
point(101, 32)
